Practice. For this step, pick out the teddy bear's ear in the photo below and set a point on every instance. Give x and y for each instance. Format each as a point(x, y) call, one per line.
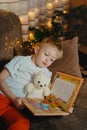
point(45, 76)
point(40, 72)
point(49, 79)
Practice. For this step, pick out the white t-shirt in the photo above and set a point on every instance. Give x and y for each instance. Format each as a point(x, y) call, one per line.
point(22, 70)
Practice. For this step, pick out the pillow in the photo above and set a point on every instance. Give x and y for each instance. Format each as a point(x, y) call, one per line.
point(69, 63)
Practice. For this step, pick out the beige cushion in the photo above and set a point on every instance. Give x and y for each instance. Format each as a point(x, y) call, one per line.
point(69, 63)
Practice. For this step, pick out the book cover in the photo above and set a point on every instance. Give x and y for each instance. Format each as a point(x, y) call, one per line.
point(64, 90)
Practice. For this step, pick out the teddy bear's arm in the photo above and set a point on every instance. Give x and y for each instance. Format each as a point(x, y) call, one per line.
point(46, 91)
point(28, 88)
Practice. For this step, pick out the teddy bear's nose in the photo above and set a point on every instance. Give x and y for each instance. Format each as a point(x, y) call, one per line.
point(41, 85)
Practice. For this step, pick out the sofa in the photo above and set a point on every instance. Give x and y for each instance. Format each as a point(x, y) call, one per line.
point(69, 64)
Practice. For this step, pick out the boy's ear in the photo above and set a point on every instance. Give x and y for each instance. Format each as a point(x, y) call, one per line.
point(36, 48)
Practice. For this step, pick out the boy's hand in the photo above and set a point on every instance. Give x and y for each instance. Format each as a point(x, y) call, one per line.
point(71, 109)
point(18, 102)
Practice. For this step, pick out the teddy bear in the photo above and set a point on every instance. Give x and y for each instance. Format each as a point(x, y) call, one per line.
point(39, 87)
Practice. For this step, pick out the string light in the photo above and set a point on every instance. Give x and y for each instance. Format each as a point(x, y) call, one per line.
point(37, 34)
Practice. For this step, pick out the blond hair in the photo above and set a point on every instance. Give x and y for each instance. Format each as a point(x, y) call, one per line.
point(55, 43)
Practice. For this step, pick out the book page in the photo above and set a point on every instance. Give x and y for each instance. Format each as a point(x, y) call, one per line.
point(37, 108)
point(63, 89)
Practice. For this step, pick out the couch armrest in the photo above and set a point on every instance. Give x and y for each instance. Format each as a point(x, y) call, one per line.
point(10, 33)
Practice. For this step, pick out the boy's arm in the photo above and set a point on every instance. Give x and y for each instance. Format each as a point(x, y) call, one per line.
point(5, 89)
point(3, 85)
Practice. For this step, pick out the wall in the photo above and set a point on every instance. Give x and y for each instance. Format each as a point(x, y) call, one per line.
point(33, 12)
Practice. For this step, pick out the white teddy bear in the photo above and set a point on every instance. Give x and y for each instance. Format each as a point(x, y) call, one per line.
point(39, 87)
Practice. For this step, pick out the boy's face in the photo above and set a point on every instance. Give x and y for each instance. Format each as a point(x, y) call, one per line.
point(45, 55)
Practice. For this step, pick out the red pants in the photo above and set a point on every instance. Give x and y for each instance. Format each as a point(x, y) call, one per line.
point(13, 118)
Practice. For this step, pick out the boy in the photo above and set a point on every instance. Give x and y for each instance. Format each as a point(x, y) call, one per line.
point(17, 73)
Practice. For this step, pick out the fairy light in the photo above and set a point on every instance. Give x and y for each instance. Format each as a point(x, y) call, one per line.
point(31, 16)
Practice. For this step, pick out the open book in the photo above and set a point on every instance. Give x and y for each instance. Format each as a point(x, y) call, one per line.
point(64, 91)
